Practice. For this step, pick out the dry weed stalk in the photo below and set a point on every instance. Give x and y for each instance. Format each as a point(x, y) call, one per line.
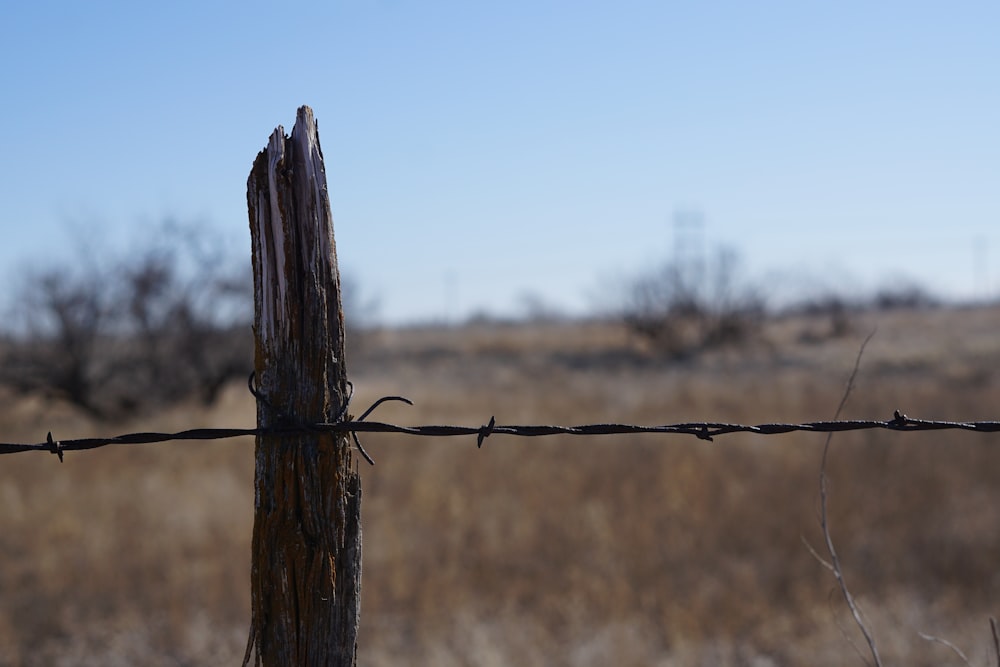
point(954, 649)
point(834, 563)
point(957, 651)
point(996, 638)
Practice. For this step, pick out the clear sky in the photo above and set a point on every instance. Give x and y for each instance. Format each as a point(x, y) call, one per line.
point(478, 151)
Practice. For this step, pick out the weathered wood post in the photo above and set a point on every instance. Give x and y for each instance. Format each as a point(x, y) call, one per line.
point(306, 568)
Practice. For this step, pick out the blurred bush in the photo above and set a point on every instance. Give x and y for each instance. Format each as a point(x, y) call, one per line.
point(150, 327)
point(683, 310)
point(129, 331)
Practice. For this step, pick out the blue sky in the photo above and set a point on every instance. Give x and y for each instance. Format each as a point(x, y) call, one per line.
point(477, 152)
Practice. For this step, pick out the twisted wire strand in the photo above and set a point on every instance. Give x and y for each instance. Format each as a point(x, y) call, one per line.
point(344, 423)
point(701, 430)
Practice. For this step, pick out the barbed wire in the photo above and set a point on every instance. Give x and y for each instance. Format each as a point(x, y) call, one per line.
point(345, 423)
point(701, 430)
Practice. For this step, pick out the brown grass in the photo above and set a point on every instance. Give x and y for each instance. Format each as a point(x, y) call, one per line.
point(639, 550)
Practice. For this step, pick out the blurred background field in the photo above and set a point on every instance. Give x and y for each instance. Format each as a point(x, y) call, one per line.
point(637, 550)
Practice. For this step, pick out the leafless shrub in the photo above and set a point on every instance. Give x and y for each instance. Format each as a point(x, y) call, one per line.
point(682, 312)
point(164, 322)
point(834, 312)
point(831, 315)
point(161, 324)
point(57, 347)
point(903, 296)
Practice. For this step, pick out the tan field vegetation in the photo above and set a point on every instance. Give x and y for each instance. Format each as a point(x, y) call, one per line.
point(630, 550)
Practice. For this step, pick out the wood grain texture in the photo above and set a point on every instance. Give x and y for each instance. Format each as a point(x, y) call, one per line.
point(306, 570)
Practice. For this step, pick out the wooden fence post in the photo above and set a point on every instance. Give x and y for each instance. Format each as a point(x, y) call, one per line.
point(306, 567)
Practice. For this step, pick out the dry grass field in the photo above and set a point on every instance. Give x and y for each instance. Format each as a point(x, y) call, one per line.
point(635, 550)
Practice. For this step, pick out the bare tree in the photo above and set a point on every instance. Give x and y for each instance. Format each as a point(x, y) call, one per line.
point(682, 313)
point(56, 349)
point(188, 314)
point(163, 323)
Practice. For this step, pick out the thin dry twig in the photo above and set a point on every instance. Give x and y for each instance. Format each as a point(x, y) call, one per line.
point(815, 554)
point(838, 572)
point(843, 630)
point(957, 651)
point(996, 638)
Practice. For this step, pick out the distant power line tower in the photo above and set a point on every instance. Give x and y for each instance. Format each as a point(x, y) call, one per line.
point(689, 248)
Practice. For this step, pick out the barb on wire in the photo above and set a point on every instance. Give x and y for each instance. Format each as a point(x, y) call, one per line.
point(371, 408)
